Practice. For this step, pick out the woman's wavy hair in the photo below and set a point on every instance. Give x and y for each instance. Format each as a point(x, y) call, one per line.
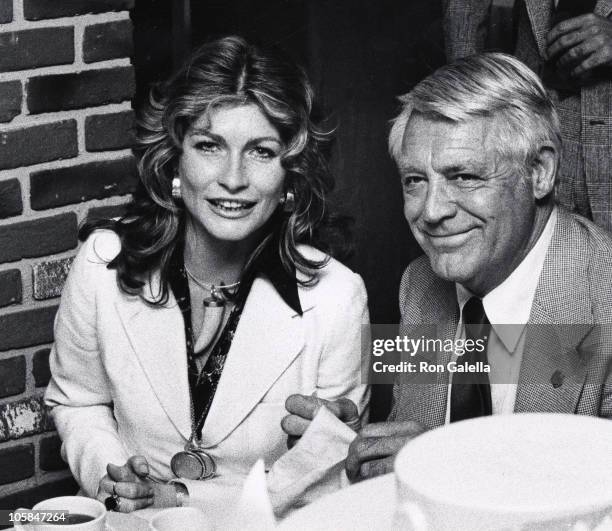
point(225, 72)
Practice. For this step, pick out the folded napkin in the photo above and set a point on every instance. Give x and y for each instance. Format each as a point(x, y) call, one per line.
point(253, 510)
point(313, 467)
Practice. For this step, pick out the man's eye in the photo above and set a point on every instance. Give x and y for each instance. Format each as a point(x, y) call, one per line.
point(410, 181)
point(464, 177)
point(208, 146)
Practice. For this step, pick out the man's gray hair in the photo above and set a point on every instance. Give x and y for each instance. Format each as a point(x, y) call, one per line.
point(484, 86)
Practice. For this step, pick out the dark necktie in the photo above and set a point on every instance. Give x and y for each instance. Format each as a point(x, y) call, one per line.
point(471, 391)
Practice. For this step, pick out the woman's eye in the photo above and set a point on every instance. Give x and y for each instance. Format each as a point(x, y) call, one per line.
point(207, 146)
point(263, 152)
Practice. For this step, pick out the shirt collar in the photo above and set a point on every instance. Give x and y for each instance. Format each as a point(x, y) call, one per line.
point(508, 306)
point(269, 264)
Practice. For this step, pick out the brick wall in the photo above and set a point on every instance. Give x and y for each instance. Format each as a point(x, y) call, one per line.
point(65, 130)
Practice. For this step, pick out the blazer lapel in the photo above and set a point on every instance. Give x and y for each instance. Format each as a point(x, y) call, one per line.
point(553, 371)
point(540, 16)
point(437, 317)
point(157, 336)
point(268, 338)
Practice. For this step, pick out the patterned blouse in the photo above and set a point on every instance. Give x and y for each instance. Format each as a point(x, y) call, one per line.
point(203, 384)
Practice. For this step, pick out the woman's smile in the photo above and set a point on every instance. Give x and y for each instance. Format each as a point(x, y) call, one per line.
point(232, 208)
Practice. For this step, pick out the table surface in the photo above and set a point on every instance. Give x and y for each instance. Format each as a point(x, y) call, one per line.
point(126, 522)
point(361, 507)
point(365, 506)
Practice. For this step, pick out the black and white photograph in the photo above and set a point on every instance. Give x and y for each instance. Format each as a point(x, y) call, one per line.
point(306, 265)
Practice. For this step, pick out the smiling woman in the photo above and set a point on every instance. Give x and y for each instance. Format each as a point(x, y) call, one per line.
point(185, 325)
point(231, 174)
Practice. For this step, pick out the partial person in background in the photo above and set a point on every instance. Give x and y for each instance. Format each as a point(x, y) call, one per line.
point(477, 145)
point(569, 44)
point(185, 325)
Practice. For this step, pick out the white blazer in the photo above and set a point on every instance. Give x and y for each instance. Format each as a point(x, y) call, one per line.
point(119, 382)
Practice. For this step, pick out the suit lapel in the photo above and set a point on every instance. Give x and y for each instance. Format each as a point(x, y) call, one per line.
point(157, 336)
point(553, 370)
point(437, 308)
point(540, 15)
point(268, 338)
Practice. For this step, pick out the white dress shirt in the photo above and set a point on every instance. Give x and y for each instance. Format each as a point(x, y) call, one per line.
point(508, 307)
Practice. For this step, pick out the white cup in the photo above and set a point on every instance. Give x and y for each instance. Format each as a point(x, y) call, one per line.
point(183, 518)
point(74, 505)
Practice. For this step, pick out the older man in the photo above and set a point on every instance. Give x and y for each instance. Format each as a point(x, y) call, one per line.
point(477, 145)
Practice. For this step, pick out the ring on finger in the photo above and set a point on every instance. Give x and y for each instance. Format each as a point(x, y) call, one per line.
point(114, 491)
point(112, 503)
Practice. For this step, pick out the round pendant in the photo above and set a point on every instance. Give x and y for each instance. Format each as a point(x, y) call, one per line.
point(193, 464)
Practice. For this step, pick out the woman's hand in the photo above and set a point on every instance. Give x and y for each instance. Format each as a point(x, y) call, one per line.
point(128, 483)
point(302, 409)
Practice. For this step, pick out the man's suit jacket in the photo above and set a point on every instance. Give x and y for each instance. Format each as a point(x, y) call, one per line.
point(567, 358)
point(119, 382)
point(465, 27)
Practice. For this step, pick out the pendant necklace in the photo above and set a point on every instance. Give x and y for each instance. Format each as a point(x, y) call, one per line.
point(218, 296)
point(214, 310)
point(193, 462)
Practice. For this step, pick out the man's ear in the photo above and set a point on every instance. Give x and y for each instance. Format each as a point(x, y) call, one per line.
point(544, 171)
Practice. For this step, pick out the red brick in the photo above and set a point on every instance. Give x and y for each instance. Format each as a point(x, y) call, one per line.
point(30, 497)
point(25, 417)
point(106, 212)
point(75, 91)
point(6, 11)
point(16, 463)
point(12, 376)
point(27, 328)
point(108, 41)
point(38, 237)
point(39, 9)
point(96, 180)
point(10, 288)
point(49, 278)
point(41, 143)
point(50, 454)
point(40, 367)
point(105, 132)
point(35, 48)
point(10, 198)
point(10, 100)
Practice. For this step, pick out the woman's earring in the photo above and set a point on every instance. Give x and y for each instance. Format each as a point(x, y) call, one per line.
point(288, 201)
point(176, 188)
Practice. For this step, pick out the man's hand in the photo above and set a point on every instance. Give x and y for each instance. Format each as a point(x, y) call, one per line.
point(373, 451)
point(581, 44)
point(128, 482)
point(302, 409)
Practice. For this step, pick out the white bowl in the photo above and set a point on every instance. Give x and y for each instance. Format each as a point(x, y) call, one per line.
point(529, 470)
